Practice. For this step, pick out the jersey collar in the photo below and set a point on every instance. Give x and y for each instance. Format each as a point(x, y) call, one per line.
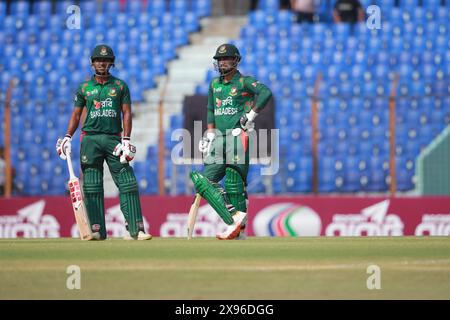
point(235, 78)
point(110, 80)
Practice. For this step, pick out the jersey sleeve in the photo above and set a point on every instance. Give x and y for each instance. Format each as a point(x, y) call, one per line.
point(261, 91)
point(79, 99)
point(210, 116)
point(126, 96)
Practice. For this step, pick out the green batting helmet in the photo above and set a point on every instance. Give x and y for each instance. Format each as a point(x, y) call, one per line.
point(102, 51)
point(227, 50)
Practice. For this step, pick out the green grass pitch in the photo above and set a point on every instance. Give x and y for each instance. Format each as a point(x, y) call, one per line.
point(205, 268)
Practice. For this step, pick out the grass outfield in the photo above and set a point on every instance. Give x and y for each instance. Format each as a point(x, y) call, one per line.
point(205, 268)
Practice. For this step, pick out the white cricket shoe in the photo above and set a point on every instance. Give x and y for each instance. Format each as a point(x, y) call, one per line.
point(96, 236)
point(141, 236)
point(232, 231)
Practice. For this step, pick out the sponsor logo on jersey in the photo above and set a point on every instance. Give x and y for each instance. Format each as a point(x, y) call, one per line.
point(225, 111)
point(103, 104)
point(219, 89)
point(227, 102)
point(255, 83)
point(105, 113)
point(113, 92)
point(233, 91)
point(95, 91)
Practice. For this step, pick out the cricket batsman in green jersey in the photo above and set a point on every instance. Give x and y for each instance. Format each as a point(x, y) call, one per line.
point(106, 99)
point(234, 101)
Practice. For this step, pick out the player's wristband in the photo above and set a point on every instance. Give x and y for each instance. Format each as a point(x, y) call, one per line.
point(68, 136)
point(125, 138)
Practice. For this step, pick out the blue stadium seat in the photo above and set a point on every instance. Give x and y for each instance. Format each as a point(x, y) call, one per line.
point(42, 8)
point(61, 6)
point(89, 6)
point(202, 8)
point(178, 7)
point(20, 8)
point(2, 9)
point(156, 7)
point(136, 7)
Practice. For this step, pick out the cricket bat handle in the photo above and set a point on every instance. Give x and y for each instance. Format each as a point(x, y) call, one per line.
point(69, 164)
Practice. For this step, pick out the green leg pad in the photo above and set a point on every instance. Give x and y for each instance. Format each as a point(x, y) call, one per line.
point(215, 196)
point(129, 200)
point(235, 187)
point(94, 199)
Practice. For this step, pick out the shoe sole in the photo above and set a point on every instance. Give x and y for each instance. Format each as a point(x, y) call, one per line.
point(149, 237)
point(236, 231)
point(232, 235)
point(146, 238)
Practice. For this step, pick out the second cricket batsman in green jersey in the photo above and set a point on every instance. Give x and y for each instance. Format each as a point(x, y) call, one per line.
point(228, 101)
point(234, 101)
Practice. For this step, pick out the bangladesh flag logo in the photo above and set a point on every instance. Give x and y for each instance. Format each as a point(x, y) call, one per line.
point(218, 102)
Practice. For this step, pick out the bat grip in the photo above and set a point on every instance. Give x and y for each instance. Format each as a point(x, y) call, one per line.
point(69, 163)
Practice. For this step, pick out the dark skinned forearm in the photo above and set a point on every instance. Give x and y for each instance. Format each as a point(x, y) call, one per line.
point(74, 121)
point(127, 121)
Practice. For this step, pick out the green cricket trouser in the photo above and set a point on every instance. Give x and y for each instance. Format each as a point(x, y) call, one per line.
point(95, 149)
point(228, 151)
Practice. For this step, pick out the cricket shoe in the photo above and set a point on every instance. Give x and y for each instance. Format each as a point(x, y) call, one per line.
point(141, 236)
point(241, 235)
point(96, 236)
point(232, 231)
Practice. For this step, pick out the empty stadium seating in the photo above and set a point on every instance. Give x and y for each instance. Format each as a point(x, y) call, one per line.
point(358, 66)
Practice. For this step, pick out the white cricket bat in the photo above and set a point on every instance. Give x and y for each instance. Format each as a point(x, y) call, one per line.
point(193, 215)
point(79, 209)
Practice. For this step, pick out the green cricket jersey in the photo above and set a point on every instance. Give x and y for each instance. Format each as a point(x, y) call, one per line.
point(227, 102)
point(103, 104)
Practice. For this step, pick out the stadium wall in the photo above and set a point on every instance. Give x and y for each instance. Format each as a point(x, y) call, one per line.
point(52, 217)
point(433, 168)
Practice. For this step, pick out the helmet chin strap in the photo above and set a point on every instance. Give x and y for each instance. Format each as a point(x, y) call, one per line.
point(227, 72)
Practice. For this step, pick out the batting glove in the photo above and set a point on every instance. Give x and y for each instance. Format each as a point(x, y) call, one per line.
point(247, 119)
point(64, 146)
point(125, 150)
point(204, 145)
